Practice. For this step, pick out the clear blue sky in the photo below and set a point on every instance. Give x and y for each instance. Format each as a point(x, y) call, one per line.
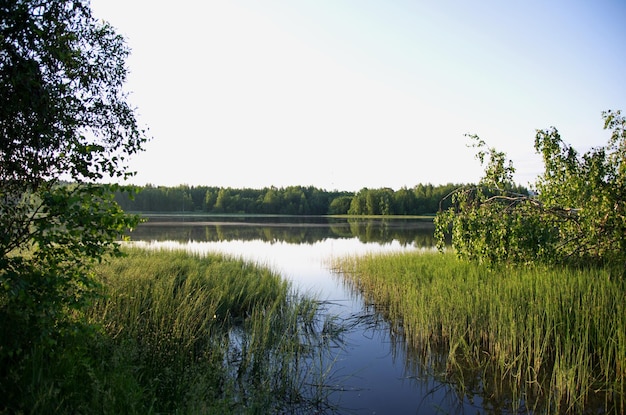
point(357, 93)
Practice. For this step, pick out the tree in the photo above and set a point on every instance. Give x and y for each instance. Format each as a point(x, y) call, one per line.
point(578, 214)
point(358, 205)
point(209, 199)
point(340, 205)
point(271, 200)
point(223, 201)
point(404, 201)
point(65, 125)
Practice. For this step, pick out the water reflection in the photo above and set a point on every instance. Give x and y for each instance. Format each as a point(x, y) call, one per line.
point(374, 370)
point(289, 229)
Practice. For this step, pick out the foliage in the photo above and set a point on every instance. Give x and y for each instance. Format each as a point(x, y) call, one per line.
point(187, 334)
point(339, 205)
point(577, 215)
point(63, 117)
point(421, 199)
point(291, 200)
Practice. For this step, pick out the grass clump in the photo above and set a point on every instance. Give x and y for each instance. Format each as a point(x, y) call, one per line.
point(178, 333)
point(534, 338)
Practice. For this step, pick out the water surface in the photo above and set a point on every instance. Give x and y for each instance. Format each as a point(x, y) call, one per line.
point(372, 373)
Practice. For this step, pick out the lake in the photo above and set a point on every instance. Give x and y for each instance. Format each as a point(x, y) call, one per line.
point(373, 372)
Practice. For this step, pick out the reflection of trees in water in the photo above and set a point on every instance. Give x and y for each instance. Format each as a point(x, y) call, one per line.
point(406, 232)
point(417, 233)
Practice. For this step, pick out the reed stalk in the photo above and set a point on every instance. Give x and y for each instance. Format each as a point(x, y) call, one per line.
point(538, 338)
point(184, 333)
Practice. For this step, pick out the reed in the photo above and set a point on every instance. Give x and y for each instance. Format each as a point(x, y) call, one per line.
point(534, 338)
point(210, 333)
point(179, 333)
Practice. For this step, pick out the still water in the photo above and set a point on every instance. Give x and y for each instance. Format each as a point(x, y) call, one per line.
point(373, 372)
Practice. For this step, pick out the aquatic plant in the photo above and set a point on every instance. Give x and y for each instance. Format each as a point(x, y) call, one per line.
point(533, 338)
point(180, 333)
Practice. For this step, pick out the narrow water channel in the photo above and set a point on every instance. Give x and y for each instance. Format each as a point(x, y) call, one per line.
point(372, 372)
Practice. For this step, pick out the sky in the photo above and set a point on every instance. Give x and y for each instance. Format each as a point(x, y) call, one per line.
point(348, 94)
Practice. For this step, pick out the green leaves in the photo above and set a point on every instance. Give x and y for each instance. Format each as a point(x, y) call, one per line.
point(577, 216)
point(63, 116)
point(61, 79)
point(498, 171)
point(75, 225)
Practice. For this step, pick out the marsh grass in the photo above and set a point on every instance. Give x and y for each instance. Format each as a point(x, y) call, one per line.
point(178, 333)
point(209, 333)
point(534, 338)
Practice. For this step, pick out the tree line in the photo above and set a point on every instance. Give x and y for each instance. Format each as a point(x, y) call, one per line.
point(292, 200)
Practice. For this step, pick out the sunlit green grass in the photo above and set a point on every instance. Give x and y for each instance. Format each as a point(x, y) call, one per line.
point(527, 338)
point(179, 333)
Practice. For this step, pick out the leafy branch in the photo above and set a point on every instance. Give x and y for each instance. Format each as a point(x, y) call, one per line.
point(578, 214)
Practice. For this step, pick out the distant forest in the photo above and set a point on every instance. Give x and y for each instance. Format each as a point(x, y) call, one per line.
point(422, 199)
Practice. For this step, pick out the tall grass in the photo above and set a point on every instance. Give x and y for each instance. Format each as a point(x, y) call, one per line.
point(534, 338)
point(179, 333)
